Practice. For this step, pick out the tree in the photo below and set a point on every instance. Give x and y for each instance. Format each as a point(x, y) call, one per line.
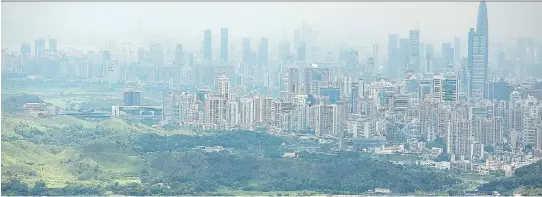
point(15, 188)
point(39, 188)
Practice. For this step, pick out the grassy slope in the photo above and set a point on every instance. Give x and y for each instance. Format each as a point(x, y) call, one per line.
point(30, 162)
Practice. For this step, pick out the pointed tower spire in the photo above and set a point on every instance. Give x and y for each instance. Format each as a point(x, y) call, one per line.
point(481, 25)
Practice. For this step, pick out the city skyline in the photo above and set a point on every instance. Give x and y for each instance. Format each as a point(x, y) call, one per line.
point(319, 99)
point(357, 24)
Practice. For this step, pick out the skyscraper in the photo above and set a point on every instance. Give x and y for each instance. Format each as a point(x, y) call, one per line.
point(375, 55)
point(478, 55)
point(207, 50)
point(478, 64)
point(52, 44)
point(301, 52)
point(224, 44)
point(263, 52)
point(179, 56)
point(106, 56)
point(312, 81)
point(297, 38)
point(458, 138)
point(329, 120)
point(447, 55)
point(216, 112)
point(246, 51)
point(482, 27)
point(157, 54)
point(284, 51)
point(429, 52)
point(26, 49)
point(483, 38)
point(475, 66)
point(293, 80)
point(404, 55)
point(457, 51)
point(415, 50)
point(39, 47)
point(354, 98)
point(393, 55)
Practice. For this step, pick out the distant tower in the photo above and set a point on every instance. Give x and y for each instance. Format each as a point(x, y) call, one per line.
point(375, 55)
point(263, 52)
point(207, 50)
point(26, 49)
point(393, 55)
point(247, 54)
point(428, 63)
point(224, 44)
point(39, 47)
point(293, 80)
point(483, 36)
point(52, 44)
point(457, 51)
point(447, 55)
point(415, 49)
point(179, 55)
point(404, 56)
point(106, 56)
point(284, 51)
point(301, 52)
point(478, 55)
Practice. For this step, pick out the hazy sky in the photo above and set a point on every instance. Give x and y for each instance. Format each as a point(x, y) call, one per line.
point(360, 23)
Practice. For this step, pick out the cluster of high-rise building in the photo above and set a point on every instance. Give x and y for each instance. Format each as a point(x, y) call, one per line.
point(429, 97)
point(428, 108)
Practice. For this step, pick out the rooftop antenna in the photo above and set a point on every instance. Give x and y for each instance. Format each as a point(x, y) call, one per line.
point(418, 25)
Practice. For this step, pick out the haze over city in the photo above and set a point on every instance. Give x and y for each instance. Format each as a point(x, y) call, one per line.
point(271, 99)
point(353, 24)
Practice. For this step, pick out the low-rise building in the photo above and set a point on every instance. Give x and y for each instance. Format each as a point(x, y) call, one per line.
point(289, 155)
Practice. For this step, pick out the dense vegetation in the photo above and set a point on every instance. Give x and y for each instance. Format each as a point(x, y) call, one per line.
point(196, 172)
point(239, 140)
point(527, 180)
point(119, 158)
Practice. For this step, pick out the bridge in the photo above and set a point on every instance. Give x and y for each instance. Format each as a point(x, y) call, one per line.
point(143, 111)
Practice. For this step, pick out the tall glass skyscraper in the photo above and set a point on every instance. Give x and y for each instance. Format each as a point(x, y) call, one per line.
point(415, 50)
point(207, 50)
point(478, 55)
point(482, 31)
point(263, 52)
point(224, 44)
point(39, 47)
point(246, 51)
point(392, 69)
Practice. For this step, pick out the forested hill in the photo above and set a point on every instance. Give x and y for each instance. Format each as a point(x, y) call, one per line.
point(527, 180)
point(120, 158)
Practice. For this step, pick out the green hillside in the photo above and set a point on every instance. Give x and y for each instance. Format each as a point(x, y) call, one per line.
point(67, 156)
point(28, 162)
point(527, 180)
